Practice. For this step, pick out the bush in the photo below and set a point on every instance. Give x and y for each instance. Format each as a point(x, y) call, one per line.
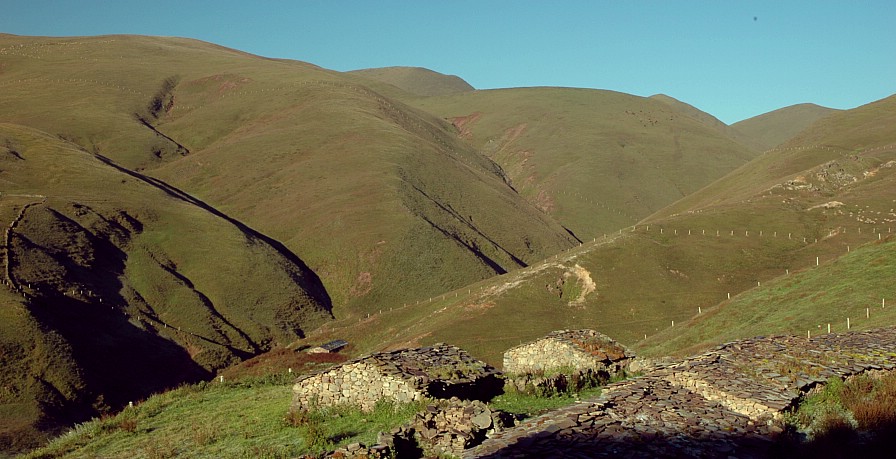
point(872, 401)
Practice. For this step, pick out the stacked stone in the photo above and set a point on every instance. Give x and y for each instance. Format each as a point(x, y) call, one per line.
point(447, 427)
point(401, 376)
point(567, 349)
point(357, 451)
point(724, 402)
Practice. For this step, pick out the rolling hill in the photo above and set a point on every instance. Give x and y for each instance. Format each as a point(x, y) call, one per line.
point(357, 184)
point(595, 160)
point(416, 80)
point(774, 128)
point(751, 236)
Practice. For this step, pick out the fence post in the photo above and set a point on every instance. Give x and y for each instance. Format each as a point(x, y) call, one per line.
point(847, 323)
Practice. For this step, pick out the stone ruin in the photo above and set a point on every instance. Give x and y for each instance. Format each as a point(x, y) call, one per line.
point(726, 402)
point(441, 371)
point(582, 355)
point(442, 428)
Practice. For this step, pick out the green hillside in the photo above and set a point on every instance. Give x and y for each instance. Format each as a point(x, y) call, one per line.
point(710, 121)
point(108, 291)
point(416, 80)
point(595, 160)
point(365, 189)
point(219, 203)
point(855, 287)
point(774, 128)
point(776, 216)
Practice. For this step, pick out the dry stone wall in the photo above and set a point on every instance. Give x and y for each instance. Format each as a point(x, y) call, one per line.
point(359, 383)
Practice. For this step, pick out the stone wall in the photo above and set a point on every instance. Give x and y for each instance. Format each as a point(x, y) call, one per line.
point(359, 383)
point(577, 350)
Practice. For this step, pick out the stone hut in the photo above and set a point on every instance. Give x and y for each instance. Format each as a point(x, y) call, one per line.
point(327, 348)
point(440, 371)
point(568, 350)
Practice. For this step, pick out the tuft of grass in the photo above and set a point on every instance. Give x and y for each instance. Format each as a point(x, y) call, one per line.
point(528, 405)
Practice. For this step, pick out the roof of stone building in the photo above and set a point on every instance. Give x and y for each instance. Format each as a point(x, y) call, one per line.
point(334, 345)
point(439, 362)
point(592, 342)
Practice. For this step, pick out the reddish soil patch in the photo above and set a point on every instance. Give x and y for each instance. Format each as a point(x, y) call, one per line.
point(279, 360)
point(463, 124)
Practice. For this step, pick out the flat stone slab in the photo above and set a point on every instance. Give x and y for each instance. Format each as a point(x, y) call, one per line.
point(725, 402)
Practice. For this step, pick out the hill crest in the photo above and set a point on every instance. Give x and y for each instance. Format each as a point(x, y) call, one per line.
point(776, 127)
point(417, 80)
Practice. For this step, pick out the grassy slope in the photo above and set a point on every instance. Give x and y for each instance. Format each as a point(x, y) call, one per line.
point(710, 121)
point(357, 184)
point(241, 419)
point(416, 80)
point(384, 180)
point(121, 300)
point(845, 138)
point(645, 279)
point(595, 160)
point(805, 301)
point(774, 128)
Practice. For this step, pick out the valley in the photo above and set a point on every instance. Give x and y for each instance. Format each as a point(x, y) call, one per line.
point(173, 208)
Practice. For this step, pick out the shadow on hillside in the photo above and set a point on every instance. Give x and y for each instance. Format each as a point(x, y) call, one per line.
point(307, 279)
point(112, 360)
point(881, 443)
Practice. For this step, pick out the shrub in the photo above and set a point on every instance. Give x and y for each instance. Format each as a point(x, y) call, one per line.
point(872, 401)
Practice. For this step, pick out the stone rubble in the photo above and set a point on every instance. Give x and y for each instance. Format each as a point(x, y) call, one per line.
point(442, 428)
point(447, 427)
point(725, 402)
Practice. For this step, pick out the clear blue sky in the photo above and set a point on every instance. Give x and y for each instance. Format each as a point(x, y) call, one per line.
point(733, 59)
